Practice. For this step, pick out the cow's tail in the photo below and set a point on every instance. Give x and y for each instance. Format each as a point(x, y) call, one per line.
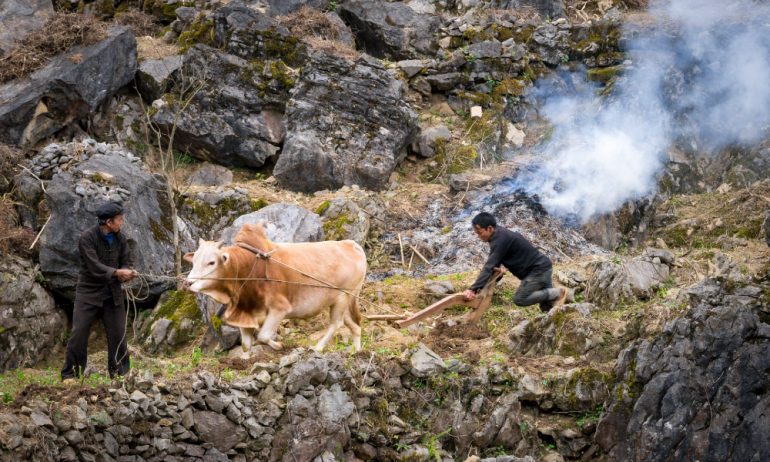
point(355, 312)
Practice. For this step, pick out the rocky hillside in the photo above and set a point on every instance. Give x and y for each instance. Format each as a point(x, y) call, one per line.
point(392, 123)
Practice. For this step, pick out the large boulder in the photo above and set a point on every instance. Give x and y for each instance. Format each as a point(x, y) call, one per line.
point(282, 222)
point(391, 30)
point(97, 173)
point(234, 118)
point(614, 282)
point(344, 219)
point(30, 322)
point(155, 76)
point(346, 124)
point(699, 391)
point(569, 330)
point(69, 89)
point(18, 17)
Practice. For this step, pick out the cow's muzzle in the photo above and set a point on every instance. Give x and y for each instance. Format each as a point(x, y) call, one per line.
point(186, 283)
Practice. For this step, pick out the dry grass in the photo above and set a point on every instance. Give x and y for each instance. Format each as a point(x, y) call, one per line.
point(154, 48)
point(142, 24)
point(309, 22)
point(13, 238)
point(10, 161)
point(62, 32)
point(523, 14)
point(332, 47)
point(318, 31)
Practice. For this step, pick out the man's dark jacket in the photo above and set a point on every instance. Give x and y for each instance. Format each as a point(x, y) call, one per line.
point(98, 262)
point(513, 251)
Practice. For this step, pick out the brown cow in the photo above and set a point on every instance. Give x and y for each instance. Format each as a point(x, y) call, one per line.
point(264, 291)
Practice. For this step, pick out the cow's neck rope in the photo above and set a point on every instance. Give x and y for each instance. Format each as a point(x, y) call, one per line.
point(268, 256)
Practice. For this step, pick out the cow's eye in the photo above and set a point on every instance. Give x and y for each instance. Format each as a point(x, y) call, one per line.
point(211, 263)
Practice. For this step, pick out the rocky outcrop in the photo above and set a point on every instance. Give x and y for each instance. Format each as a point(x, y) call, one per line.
point(616, 282)
point(391, 30)
point(305, 407)
point(90, 174)
point(346, 124)
point(282, 222)
point(569, 330)
point(233, 118)
point(69, 89)
point(344, 219)
point(30, 322)
point(699, 391)
point(155, 76)
point(21, 17)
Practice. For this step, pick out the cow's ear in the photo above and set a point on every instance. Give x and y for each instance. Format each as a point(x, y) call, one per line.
point(225, 257)
point(220, 244)
point(189, 256)
point(201, 241)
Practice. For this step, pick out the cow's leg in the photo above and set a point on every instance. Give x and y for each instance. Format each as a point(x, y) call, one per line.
point(270, 327)
point(354, 326)
point(247, 337)
point(336, 317)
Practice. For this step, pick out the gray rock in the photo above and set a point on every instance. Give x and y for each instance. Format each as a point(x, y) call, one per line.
point(312, 371)
point(215, 428)
point(440, 288)
point(425, 362)
point(30, 322)
point(34, 108)
point(468, 181)
point(154, 76)
point(429, 138)
point(334, 405)
point(679, 395)
point(228, 122)
point(412, 67)
point(615, 282)
point(569, 330)
point(282, 222)
point(40, 419)
point(344, 219)
point(347, 124)
point(391, 30)
point(21, 17)
point(159, 330)
point(147, 219)
point(446, 81)
point(207, 174)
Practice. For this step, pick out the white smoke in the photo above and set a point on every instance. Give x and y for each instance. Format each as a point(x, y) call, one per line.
point(703, 77)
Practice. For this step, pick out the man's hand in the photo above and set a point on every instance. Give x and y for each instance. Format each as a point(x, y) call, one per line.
point(469, 294)
point(124, 275)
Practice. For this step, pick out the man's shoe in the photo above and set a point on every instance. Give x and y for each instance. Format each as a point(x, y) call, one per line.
point(69, 381)
point(562, 297)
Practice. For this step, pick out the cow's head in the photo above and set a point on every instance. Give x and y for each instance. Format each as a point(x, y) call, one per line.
point(211, 265)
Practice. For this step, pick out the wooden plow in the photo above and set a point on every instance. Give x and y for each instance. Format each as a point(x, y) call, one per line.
point(480, 304)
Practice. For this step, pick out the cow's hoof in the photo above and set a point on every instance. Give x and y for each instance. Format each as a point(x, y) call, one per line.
point(275, 345)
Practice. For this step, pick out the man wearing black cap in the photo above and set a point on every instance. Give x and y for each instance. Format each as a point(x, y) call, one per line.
point(105, 261)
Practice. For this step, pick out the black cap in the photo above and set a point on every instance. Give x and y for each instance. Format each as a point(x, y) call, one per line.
point(109, 210)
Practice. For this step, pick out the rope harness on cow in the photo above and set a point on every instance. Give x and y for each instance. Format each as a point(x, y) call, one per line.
point(268, 256)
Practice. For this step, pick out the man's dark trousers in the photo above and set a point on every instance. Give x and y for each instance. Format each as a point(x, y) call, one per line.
point(537, 288)
point(114, 320)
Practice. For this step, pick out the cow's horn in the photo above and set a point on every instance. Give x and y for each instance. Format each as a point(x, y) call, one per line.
point(220, 244)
